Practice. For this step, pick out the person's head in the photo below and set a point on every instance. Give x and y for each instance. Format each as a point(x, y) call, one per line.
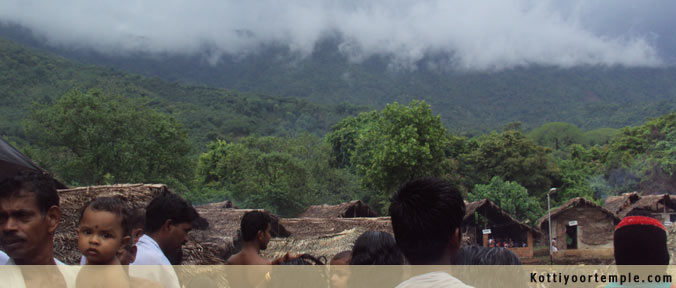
point(104, 230)
point(168, 220)
point(305, 259)
point(477, 255)
point(136, 222)
point(376, 248)
point(29, 215)
point(426, 218)
point(312, 275)
point(339, 271)
point(255, 228)
point(342, 258)
point(137, 219)
point(640, 240)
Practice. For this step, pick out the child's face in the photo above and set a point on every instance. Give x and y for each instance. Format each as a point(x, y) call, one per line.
point(100, 237)
point(339, 273)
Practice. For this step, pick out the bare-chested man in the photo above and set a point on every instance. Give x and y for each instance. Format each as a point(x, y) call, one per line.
point(255, 229)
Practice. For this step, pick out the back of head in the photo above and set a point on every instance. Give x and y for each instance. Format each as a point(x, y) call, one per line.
point(376, 248)
point(137, 218)
point(37, 183)
point(113, 205)
point(640, 240)
point(168, 206)
point(425, 215)
point(252, 222)
point(312, 275)
point(305, 259)
point(342, 258)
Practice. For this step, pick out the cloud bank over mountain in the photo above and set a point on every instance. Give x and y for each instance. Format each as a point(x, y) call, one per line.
point(465, 35)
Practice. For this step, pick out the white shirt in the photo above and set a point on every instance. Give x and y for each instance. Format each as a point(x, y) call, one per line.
point(149, 253)
point(3, 258)
point(12, 277)
point(433, 280)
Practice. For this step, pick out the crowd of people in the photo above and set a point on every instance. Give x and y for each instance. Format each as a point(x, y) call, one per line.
point(426, 216)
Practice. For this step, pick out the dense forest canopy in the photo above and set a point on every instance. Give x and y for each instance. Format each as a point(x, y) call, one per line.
point(92, 125)
point(469, 102)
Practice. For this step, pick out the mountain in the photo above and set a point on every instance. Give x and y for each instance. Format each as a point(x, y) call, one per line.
point(28, 75)
point(469, 102)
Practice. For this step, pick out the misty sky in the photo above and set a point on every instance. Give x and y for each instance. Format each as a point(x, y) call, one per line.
point(472, 35)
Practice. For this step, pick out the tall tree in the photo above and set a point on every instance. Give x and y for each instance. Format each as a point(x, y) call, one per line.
point(513, 157)
point(511, 197)
point(91, 138)
point(404, 143)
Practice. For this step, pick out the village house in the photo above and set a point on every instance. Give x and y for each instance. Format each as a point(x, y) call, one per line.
point(484, 221)
point(352, 209)
point(580, 226)
point(662, 207)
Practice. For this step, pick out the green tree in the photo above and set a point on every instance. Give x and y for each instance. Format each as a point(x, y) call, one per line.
point(600, 136)
point(89, 138)
point(511, 197)
point(281, 174)
point(513, 157)
point(343, 137)
point(557, 135)
point(404, 143)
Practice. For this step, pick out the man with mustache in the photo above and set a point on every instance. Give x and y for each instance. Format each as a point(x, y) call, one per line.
point(29, 215)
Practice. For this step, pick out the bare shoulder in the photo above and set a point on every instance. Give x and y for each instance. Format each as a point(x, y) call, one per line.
point(235, 259)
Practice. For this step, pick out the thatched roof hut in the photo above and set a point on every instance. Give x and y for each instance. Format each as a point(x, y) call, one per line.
point(573, 203)
point(616, 204)
point(657, 204)
point(322, 245)
point(502, 226)
point(322, 236)
point(311, 227)
point(494, 214)
point(580, 224)
point(663, 204)
point(72, 200)
point(352, 209)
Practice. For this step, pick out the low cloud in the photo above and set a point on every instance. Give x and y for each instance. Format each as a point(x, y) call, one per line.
point(467, 35)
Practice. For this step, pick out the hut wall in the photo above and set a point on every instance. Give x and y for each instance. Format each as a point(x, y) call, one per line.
point(525, 252)
point(594, 228)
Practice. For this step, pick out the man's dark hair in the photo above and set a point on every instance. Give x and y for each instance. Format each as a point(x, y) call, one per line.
point(477, 255)
point(425, 214)
point(41, 185)
point(137, 218)
point(306, 259)
point(168, 206)
point(376, 248)
point(345, 255)
point(113, 205)
point(252, 222)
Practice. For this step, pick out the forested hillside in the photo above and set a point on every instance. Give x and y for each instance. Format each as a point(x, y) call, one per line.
point(469, 102)
point(91, 125)
point(28, 75)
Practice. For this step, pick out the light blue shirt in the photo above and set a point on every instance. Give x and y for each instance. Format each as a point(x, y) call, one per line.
point(3, 258)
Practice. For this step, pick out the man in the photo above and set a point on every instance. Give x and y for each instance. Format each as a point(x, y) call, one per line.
point(29, 215)
point(426, 218)
point(255, 232)
point(640, 239)
point(255, 228)
point(168, 220)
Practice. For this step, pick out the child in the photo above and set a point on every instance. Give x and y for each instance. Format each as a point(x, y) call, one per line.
point(104, 231)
